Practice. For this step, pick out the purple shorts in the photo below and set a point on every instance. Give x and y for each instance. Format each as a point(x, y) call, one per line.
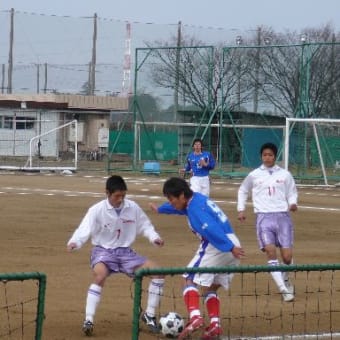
point(274, 228)
point(119, 260)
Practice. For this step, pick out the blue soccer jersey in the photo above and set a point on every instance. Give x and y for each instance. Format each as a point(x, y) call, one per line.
point(193, 163)
point(206, 220)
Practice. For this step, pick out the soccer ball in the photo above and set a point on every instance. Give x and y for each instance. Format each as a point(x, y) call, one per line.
point(171, 324)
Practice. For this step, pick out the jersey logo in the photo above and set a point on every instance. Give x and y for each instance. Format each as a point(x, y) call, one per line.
point(128, 221)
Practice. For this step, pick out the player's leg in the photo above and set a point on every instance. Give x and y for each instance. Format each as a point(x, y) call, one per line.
point(100, 272)
point(212, 303)
point(195, 184)
point(155, 292)
point(211, 299)
point(267, 226)
point(287, 259)
point(206, 256)
point(191, 297)
point(205, 185)
point(286, 240)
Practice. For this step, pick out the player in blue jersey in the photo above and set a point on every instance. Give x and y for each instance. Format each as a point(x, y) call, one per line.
point(199, 163)
point(219, 247)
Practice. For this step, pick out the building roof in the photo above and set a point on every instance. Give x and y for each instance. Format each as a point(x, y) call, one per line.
point(64, 101)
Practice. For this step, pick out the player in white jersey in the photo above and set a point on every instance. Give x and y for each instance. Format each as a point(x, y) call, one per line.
point(198, 164)
point(113, 225)
point(274, 194)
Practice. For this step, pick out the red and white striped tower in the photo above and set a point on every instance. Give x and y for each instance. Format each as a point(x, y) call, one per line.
point(126, 85)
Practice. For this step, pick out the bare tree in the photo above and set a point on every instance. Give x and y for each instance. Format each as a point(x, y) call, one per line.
point(288, 74)
point(299, 73)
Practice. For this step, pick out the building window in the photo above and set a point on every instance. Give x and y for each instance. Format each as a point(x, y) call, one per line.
point(21, 123)
point(24, 123)
point(8, 122)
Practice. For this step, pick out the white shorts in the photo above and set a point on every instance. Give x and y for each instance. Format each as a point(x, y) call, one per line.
point(200, 184)
point(209, 256)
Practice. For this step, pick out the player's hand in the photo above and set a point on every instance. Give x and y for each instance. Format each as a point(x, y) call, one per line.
point(238, 252)
point(293, 207)
point(153, 207)
point(203, 162)
point(241, 216)
point(158, 242)
point(71, 247)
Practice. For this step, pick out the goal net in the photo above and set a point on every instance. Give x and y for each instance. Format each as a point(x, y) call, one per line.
point(312, 150)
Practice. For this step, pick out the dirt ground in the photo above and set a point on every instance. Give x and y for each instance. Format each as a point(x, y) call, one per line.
point(39, 212)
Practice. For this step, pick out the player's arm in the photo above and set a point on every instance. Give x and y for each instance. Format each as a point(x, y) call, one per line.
point(81, 234)
point(186, 169)
point(166, 208)
point(238, 252)
point(291, 193)
point(242, 197)
point(211, 161)
point(146, 228)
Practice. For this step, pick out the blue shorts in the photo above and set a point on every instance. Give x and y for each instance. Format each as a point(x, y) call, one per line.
point(119, 260)
point(274, 228)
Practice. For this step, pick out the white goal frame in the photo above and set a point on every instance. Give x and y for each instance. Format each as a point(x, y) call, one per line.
point(313, 122)
point(29, 163)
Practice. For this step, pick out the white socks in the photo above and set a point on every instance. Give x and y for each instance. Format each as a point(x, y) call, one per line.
point(155, 292)
point(92, 301)
point(277, 276)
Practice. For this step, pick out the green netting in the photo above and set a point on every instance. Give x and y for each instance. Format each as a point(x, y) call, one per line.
point(161, 146)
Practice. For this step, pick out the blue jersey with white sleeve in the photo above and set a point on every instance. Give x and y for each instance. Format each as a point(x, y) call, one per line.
point(193, 163)
point(206, 220)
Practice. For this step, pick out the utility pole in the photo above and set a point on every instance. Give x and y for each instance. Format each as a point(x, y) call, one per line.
point(10, 55)
point(257, 69)
point(92, 84)
point(45, 79)
point(178, 61)
point(38, 78)
point(3, 79)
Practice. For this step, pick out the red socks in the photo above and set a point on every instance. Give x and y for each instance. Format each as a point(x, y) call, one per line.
point(212, 303)
point(191, 298)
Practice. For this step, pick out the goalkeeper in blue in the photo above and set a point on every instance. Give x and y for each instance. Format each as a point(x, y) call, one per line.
point(198, 165)
point(219, 247)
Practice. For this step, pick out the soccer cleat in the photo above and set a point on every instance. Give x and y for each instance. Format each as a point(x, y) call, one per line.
point(195, 323)
point(88, 327)
point(212, 332)
point(151, 322)
point(287, 296)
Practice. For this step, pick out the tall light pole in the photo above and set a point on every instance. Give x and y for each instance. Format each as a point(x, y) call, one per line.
point(304, 92)
point(239, 42)
point(304, 77)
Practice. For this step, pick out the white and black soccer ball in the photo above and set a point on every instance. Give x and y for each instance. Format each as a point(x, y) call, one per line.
point(171, 324)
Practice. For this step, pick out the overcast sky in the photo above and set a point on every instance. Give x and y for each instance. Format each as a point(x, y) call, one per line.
point(236, 14)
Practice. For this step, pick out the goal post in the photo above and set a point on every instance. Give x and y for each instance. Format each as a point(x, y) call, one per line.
point(30, 144)
point(74, 124)
point(312, 149)
point(23, 303)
